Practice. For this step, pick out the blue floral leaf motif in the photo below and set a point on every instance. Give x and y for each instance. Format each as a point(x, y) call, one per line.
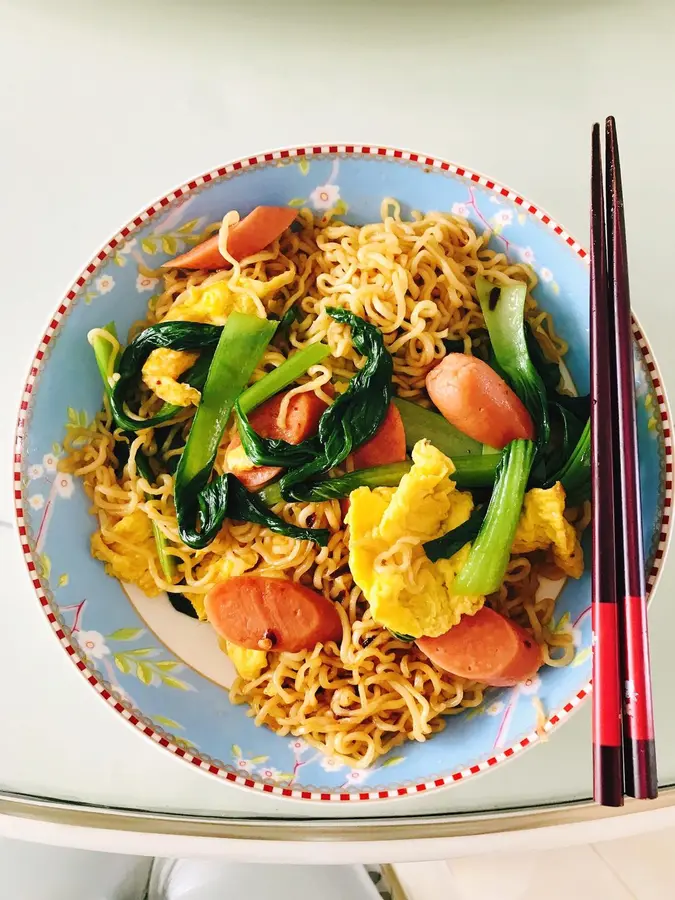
point(303, 165)
point(236, 751)
point(392, 761)
point(144, 651)
point(297, 202)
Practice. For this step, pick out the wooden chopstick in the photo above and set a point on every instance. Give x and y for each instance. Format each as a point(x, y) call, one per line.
point(607, 753)
point(638, 721)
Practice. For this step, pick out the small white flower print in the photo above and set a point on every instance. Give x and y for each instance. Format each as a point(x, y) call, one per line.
point(37, 501)
point(545, 274)
point(527, 255)
point(358, 776)
point(494, 199)
point(104, 284)
point(503, 217)
point(145, 283)
point(35, 472)
point(298, 747)
point(531, 686)
point(331, 764)
point(325, 196)
point(93, 644)
point(495, 708)
point(64, 485)
point(243, 766)
point(128, 246)
point(578, 638)
point(49, 462)
point(269, 774)
point(460, 209)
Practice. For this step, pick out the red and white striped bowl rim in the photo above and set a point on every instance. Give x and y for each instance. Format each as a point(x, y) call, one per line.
point(223, 172)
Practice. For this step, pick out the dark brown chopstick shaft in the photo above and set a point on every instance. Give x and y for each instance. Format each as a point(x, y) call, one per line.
point(607, 754)
point(638, 722)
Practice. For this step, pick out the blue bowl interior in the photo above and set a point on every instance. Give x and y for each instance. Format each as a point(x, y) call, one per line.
point(193, 712)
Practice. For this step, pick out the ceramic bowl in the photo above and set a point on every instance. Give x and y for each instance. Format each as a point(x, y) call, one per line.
point(163, 672)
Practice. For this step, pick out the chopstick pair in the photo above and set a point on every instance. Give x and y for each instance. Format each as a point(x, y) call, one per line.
point(624, 759)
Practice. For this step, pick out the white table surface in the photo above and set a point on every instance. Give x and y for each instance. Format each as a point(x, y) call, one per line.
point(105, 106)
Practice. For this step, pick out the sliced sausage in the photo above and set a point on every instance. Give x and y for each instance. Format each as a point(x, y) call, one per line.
point(473, 398)
point(271, 614)
point(486, 647)
point(251, 235)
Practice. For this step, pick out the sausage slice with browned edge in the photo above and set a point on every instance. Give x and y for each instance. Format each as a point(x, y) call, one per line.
point(271, 614)
point(252, 234)
point(474, 399)
point(486, 647)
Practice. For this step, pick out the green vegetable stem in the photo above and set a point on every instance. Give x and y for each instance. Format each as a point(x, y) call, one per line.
point(503, 310)
point(489, 556)
point(420, 423)
point(470, 472)
point(241, 344)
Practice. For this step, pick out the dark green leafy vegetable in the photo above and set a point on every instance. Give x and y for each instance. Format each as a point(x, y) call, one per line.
point(503, 310)
point(182, 605)
point(470, 472)
point(406, 638)
point(567, 415)
point(575, 474)
point(250, 508)
point(173, 335)
point(350, 421)
point(291, 315)
point(420, 423)
point(489, 556)
point(448, 544)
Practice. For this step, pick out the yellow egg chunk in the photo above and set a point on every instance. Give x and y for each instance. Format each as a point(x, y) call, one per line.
point(387, 527)
point(212, 304)
point(122, 558)
point(248, 663)
point(543, 524)
point(160, 373)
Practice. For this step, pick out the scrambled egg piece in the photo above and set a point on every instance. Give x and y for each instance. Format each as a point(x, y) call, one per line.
point(121, 560)
point(160, 373)
point(210, 304)
point(248, 663)
point(543, 524)
point(406, 591)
